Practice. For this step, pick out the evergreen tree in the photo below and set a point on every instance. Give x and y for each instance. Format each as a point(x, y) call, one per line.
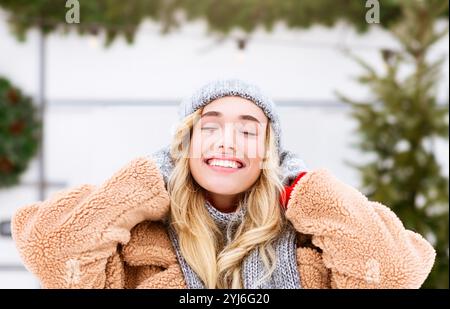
point(400, 125)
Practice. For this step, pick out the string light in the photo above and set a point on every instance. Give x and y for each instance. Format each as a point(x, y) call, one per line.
point(241, 43)
point(93, 41)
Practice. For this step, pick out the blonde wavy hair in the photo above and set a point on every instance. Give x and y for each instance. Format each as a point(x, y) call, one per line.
point(219, 266)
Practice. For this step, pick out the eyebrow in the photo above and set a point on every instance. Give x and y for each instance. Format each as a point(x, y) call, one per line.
point(219, 114)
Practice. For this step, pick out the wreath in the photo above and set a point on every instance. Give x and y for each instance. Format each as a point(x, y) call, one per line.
point(20, 130)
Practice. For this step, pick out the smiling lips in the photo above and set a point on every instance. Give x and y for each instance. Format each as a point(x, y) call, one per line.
point(222, 164)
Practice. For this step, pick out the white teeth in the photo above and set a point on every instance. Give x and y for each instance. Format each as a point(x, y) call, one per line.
point(223, 163)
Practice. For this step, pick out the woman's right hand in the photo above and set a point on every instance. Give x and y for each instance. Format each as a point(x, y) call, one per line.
point(67, 239)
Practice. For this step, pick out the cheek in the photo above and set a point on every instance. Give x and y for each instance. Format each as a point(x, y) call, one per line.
point(201, 143)
point(195, 167)
point(198, 145)
point(252, 148)
point(255, 152)
point(254, 168)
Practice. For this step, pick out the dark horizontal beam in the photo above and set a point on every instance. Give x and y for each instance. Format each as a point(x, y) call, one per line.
point(12, 268)
point(5, 228)
point(54, 185)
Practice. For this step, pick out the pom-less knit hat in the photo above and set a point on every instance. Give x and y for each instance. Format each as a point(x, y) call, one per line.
point(291, 164)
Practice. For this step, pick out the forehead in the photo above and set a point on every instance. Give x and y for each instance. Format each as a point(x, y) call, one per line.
point(234, 106)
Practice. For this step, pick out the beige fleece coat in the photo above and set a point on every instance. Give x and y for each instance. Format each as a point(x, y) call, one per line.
point(111, 236)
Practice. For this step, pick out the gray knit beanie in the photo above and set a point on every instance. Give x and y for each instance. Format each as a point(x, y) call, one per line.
point(290, 163)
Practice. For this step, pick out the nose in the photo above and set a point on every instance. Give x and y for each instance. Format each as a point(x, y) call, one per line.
point(228, 137)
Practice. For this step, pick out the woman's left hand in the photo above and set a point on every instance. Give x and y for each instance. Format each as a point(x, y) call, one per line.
point(364, 244)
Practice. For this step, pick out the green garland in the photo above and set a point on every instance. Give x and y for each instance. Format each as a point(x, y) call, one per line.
point(123, 18)
point(19, 133)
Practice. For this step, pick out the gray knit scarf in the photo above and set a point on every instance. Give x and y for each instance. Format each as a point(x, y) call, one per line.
point(285, 276)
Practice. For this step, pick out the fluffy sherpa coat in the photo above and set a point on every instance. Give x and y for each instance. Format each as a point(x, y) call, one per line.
point(111, 236)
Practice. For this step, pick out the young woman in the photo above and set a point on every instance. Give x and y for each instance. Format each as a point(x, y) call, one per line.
point(223, 206)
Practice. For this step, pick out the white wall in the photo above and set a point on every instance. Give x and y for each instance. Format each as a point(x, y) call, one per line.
point(87, 141)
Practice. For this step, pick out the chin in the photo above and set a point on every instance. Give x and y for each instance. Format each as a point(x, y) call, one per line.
point(221, 188)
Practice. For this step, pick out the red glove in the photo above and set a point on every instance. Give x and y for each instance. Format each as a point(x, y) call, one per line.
point(286, 194)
